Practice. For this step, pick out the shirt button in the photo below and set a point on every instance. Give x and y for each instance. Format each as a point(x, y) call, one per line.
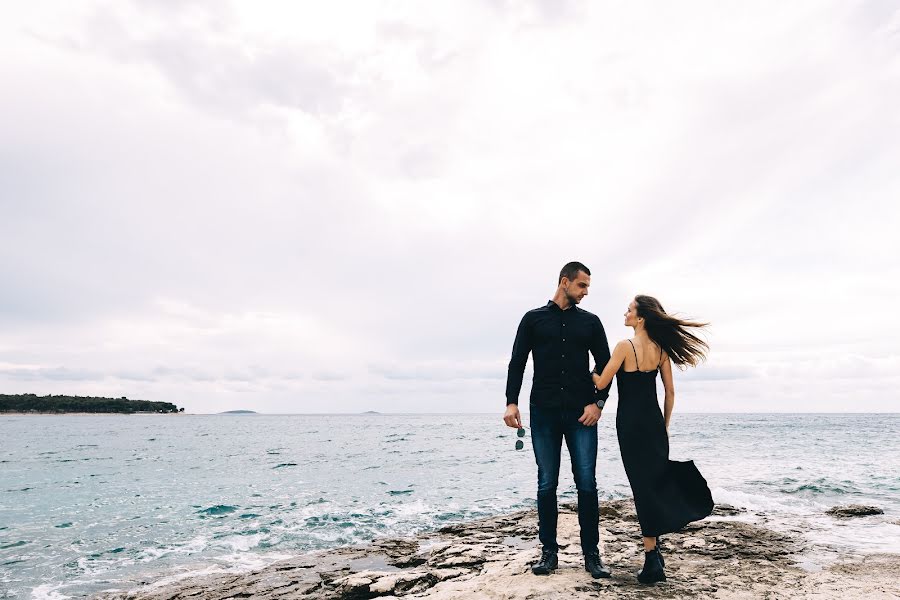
point(564, 324)
point(564, 355)
point(564, 339)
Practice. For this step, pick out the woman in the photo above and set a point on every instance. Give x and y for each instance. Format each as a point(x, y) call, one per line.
point(667, 494)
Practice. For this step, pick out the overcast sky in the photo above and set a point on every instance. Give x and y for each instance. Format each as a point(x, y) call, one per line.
point(331, 207)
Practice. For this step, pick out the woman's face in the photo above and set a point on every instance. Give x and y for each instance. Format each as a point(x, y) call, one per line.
point(631, 317)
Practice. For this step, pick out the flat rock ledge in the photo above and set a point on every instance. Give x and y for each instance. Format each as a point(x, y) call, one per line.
point(489, 558)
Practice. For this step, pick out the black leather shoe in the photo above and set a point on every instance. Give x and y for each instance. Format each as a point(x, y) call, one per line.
point(594, 565)
point(653, 568)
point(548, 562)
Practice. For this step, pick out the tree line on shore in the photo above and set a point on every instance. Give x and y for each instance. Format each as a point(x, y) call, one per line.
point(86, 404)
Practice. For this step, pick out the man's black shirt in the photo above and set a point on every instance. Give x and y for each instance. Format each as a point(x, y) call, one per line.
point(559, 341)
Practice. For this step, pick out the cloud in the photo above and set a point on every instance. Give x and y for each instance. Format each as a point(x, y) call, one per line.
point(331, 376)
point(719, 373)
point(215, 201)
point(434, 371)
point(50, 373)
point(216, 71)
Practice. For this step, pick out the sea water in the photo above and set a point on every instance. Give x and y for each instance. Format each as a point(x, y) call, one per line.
point(89, 503)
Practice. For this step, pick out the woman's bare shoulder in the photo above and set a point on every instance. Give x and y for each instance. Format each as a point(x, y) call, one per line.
point(622, 345)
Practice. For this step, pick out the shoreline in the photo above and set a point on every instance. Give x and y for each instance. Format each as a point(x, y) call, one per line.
point(489, 558)
point(90, 414)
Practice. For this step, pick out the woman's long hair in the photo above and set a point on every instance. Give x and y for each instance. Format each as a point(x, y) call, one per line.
point(671, 333)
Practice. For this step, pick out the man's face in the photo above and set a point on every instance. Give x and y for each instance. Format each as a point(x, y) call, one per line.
point(577, 288)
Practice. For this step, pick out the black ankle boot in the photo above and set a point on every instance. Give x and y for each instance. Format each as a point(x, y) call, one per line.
point(593, 564)
point(653, 568)
point(546, 564)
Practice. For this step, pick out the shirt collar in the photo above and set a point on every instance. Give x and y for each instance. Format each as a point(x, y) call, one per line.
point(551, 304)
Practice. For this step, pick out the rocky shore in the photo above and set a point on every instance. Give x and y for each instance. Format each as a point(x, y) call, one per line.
point(489, 558)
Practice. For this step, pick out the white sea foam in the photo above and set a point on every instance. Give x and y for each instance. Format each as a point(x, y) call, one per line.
point(195, 545)
point(48, 591)
point(864, 535)
point(828, 538)
point(763, 504)
point(413, 509)
point(239, 562)
point(240, 543)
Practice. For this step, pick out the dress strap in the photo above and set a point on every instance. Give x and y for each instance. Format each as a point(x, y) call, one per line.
point(637, 365)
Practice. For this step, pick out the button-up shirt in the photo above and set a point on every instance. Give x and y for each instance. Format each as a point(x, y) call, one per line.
point(559, 341)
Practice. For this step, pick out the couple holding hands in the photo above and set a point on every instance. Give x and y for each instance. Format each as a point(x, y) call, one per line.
point(567, 401)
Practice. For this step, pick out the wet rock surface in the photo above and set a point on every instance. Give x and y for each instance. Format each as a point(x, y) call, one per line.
point(854, 510)
point(490, 558)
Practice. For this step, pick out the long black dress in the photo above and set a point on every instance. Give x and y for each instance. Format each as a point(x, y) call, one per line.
point(668, 494)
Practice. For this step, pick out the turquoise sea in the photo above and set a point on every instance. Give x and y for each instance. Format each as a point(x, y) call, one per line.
point(89, 503)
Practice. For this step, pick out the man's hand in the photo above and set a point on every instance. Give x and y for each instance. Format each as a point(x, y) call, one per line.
point(591, 415)
point(511, 417)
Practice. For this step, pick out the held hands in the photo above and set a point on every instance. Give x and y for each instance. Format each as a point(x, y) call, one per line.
point(511, 417)
point(591, 415)
point(596, 379)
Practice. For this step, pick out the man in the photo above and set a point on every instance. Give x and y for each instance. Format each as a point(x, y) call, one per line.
point(563, 404)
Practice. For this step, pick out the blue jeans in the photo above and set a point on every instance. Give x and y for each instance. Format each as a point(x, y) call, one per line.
point(549, 426)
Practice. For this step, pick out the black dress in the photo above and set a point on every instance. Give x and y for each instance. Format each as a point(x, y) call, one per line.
point(668, 494)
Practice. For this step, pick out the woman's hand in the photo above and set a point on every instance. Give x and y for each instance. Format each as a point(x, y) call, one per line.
point(596, 379)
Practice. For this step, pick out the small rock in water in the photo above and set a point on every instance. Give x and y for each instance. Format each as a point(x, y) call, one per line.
point(854, 510)
point(727, 510)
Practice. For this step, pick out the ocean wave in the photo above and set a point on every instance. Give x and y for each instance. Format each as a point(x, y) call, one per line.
point(218, 509)
point(763, 504)
point(237, 562)
point(48, 591)
point(824, 486)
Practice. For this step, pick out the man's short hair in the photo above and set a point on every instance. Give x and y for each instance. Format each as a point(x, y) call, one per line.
point(570, 271)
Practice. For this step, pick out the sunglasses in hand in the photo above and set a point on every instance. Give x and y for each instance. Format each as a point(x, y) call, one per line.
point(519, 443)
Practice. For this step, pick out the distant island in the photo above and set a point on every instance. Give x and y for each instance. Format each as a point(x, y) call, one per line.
point(81, 404)
point(371, 412)
point(239, 412)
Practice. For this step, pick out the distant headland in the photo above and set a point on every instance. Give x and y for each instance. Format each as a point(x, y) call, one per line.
point(239, 412)
point(32, 403)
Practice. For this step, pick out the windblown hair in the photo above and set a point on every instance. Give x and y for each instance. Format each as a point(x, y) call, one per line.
point(671, 333)
point(570, 271)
